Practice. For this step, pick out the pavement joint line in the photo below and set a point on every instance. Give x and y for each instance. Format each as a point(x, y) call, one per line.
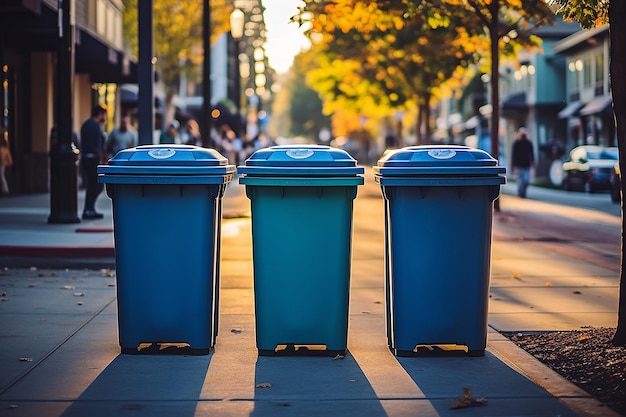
point(57, 347)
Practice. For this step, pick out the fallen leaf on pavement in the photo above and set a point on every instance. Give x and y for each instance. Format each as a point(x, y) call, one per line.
point(467, 400)
point(577, 292)
point(264, 385)
point(515, 275)
point(548, 284)
point(236, 330)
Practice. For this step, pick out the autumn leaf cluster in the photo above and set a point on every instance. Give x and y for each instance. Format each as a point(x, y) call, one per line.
point(377, 56)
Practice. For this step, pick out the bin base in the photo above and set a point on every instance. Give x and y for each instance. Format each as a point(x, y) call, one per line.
point(164, 349)
point(301, 350)
point(436, 351)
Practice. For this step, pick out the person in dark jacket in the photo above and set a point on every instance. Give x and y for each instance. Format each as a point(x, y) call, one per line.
point(523, 158)
point(91, 153)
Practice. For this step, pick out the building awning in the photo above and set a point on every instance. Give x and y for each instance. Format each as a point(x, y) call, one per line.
point(515, 101)
point(597, 105)
point(570, 110)
point(129, 96)
point(29, 30)
point(104, 63)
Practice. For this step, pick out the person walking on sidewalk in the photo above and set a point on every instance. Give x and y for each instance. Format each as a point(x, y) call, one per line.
point(6, 160)
point(122, 137)
point(523, 158)
point(91, 154)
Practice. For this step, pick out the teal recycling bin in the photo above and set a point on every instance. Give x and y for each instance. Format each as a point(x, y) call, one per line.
point(167, 209)
point(301, 204)
point(438, 222)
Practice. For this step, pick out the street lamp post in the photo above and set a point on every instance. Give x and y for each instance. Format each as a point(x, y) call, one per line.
point(63, 154)
point(205, 119)
point(237, 18)
point(146, 72)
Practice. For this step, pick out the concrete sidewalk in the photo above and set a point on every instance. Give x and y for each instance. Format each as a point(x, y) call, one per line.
point(60, 353)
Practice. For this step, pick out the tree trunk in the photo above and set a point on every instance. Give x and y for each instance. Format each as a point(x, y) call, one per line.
point(617, 33)
point(494, 37)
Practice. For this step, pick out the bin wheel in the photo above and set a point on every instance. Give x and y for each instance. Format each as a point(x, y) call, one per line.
point(291, 351)
point(155, 350)
point(436, 352)
point(403, 353)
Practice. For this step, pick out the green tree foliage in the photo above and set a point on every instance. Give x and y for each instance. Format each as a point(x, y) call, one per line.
point(592, 13)
point(177, 35)
point(305, 106)
point(589, 13)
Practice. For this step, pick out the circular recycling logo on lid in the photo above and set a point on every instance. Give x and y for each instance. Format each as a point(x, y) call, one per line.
point(161, 153)
point(442, 153)
point(300, 153)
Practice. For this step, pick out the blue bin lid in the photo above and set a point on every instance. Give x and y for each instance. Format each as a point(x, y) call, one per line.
point(301, 160)
point(167, 160)
point(434, 160)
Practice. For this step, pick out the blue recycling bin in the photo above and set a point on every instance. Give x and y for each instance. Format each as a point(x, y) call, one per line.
point(167, 210)
point(438, 227)
point(301, 204)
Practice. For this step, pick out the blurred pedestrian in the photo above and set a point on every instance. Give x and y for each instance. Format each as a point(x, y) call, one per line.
point(523, 158)
point(170, 135)
point(191, 133)
point(92, 152)
point(6, 160)
point(122, 137)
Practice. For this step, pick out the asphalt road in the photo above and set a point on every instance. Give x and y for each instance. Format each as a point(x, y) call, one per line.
point(600, 201)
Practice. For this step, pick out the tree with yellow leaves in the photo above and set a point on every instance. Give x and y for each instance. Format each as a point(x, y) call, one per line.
point(402, 51)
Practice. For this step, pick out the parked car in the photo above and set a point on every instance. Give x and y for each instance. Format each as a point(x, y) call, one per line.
point(616, 184)
point(589, 168)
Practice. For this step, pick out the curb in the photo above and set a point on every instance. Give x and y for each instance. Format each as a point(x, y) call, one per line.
point(57, 251)
point(532, 368)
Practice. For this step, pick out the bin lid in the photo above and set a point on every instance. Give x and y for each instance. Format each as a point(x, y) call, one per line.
point(167, 160)
point(301, 160)
point(434, 160)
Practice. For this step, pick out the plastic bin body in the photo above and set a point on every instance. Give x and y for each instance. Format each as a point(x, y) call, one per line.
point(438, 255)
point(167, 235)
point(302, 241)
